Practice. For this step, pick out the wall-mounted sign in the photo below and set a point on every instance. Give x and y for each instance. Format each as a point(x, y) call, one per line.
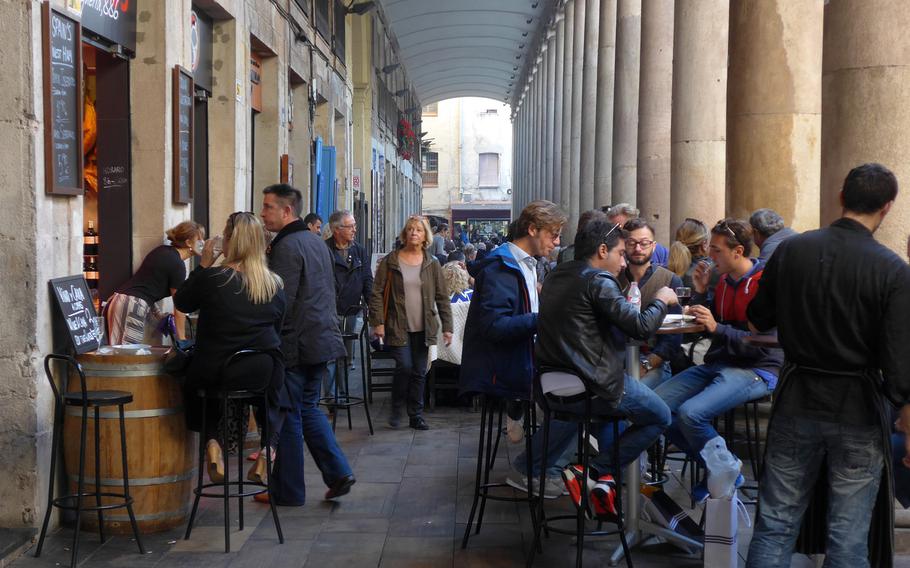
point(62, 103)
point(201, 49)
point(113, 20)
point(183, 135)
point(287, 170)
point(256, 82)
point(75, 302)
point(355, 180)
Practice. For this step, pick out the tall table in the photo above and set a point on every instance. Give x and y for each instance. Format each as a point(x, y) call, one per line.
point(639, 530)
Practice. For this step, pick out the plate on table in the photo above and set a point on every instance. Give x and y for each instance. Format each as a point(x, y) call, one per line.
point(130, 349)
point(677, 319)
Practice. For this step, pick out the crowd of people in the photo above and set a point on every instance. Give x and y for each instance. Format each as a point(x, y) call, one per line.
point(526, 309)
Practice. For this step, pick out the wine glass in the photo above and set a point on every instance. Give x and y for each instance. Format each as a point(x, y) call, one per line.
point(684, 294)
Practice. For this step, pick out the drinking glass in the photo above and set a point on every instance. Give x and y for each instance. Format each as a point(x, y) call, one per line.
point(98, 328)
point(684, 293)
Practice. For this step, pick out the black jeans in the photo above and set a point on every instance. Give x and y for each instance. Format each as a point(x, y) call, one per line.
point(410, 374)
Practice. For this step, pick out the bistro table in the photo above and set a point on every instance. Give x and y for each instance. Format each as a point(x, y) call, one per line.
point(638, 529)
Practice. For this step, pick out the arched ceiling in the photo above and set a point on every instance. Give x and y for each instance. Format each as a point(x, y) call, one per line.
point(465, 48)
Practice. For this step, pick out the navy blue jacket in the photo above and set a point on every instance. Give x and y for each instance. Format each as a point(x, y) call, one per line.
point(498, 356)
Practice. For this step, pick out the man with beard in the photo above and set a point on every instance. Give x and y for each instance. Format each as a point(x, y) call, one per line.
point(640, 245)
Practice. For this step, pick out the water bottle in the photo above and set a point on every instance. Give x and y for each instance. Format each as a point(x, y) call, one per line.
point(634, 296)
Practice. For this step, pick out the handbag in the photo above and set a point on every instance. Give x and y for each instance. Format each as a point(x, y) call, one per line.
point(177, 360)
point(721, 525)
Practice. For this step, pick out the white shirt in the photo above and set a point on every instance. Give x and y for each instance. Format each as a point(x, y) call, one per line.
point(528, 265)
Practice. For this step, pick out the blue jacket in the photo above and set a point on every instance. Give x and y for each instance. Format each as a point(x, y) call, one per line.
point(498, 356)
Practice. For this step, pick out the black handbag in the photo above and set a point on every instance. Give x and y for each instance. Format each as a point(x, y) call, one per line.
point(178, 358)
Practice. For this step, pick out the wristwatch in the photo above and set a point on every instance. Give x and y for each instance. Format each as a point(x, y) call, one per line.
point(646, 363)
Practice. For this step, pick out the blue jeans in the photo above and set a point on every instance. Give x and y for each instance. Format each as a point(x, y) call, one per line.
point(657, 376)
point(305, 423)
point(410, 375)
point(797, 447)
point(648, 414)
point(700, 393)
point(335, 370)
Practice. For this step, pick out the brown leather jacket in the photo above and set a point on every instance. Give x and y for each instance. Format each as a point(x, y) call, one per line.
point(387, 305)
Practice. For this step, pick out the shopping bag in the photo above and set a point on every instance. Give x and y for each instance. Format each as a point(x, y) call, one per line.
point(664, 511)
point(721, 525)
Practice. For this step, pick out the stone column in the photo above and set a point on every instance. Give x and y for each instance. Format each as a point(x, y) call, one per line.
point(699, 123)
point(556, 109)
point(603, 144)
point(532, 139)
point(567, 173)
point(655, 99)
point(540, 81)
point(625, 104)
point(549, 190)
point(578, 58)
point(774, 109)
point(589, 104)
point(865, 80)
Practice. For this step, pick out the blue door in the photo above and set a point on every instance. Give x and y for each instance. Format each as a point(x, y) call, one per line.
point(324, 175)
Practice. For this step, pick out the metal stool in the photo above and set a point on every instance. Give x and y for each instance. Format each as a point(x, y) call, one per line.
point(224, 396)
point(585, 422)
point(345, 401)
point(95, 400)
point(373, 372)
point(486, 457)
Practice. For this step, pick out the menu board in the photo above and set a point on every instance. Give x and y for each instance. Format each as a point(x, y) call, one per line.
point(183, 135)
point(62, 103)
point(75, 303)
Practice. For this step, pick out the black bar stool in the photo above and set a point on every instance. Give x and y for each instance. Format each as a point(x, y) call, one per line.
point(585, 422)
point(345, 401)
point(224, 396)
point(95, 400)
point(486, 458)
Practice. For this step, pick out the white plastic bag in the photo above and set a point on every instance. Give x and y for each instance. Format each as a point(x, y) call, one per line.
point(723, 468)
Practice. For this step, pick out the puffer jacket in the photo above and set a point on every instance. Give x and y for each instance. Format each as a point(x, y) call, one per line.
point(581, 308)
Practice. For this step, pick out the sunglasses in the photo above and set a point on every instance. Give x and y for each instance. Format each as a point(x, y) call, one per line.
point(723, 226)
point(608, 233)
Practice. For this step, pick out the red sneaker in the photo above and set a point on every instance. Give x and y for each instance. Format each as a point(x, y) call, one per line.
point(572, 476)
point(603, 496)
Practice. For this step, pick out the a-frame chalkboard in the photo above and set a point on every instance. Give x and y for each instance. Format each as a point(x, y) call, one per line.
point(75, 302)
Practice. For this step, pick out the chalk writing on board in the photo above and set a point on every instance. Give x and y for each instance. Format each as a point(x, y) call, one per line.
point(75, 303)
point(63, 107)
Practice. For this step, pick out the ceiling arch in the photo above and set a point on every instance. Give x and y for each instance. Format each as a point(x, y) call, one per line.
point(466, 47)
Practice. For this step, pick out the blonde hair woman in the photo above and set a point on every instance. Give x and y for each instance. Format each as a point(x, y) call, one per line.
point(241, 306)
point(130, 313)
point(408, 293)
point(689, 248)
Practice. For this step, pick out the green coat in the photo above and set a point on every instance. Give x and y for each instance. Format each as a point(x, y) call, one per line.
point(389, 283)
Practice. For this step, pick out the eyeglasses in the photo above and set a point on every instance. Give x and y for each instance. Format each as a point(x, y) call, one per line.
point(347, 226)
point(644, 243)
point(722, 225)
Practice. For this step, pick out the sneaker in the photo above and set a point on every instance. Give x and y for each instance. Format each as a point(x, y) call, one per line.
point(515, 430)
point(552, 490)
point(572, 477)
point(418, 423)
point(603, 496)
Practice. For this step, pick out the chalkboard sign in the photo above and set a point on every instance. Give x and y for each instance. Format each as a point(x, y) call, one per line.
point(62, 103)
point(75, 303)
point(183, 135)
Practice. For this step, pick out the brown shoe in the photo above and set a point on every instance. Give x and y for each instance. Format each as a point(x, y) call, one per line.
point(259, 471)
point(215, 461)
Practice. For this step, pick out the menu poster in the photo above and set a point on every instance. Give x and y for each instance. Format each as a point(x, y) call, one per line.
point(62, 103)
point(75, 303)
point(183, 135)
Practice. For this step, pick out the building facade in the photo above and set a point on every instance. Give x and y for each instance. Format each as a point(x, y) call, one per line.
point(467, 163)
point(131, 117)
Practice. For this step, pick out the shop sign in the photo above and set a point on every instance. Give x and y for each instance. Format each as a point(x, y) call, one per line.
point(355, 180)
point(201, 49)
point(113, 20)
point(62, 103)
point(183, 135)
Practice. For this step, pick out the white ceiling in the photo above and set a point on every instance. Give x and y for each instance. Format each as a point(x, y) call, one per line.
point(464, 48)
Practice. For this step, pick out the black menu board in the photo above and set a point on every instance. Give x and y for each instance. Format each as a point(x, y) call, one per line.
point(75, 303)
point(62, 103)
point(183, 135)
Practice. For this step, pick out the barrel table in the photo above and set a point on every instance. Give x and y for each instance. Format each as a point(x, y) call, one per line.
point(160, 450)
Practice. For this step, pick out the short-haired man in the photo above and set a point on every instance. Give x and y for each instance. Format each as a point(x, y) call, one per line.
point(309, 339)
point(470, 253)
point(502, 319)
point(734, 371)
point(840, 301)
point(769, 230)
point(582, 308)
point(313, 223)
point(353, 284)
point(640, 245)
point(622, 212)
point(568, 253)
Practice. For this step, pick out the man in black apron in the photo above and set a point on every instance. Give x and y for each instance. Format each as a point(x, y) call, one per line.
point(841, 304)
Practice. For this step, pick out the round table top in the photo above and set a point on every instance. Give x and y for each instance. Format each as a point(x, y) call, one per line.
point(686, 327)
point(762, 340)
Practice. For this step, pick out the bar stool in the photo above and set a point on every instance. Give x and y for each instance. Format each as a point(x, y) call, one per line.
point(224, 396)
point(487, 449)
point(85, 399)
point(345, 401)
point(585, 422)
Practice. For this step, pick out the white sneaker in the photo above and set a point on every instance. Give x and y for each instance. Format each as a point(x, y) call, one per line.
point(553, 490)
point(515, 431)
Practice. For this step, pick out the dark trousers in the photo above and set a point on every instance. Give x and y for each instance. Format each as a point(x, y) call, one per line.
point(410, 374)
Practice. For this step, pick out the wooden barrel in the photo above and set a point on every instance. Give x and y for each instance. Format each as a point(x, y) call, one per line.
point(161, 451)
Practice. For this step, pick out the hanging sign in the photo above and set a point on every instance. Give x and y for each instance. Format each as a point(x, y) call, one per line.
point(62, 103)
